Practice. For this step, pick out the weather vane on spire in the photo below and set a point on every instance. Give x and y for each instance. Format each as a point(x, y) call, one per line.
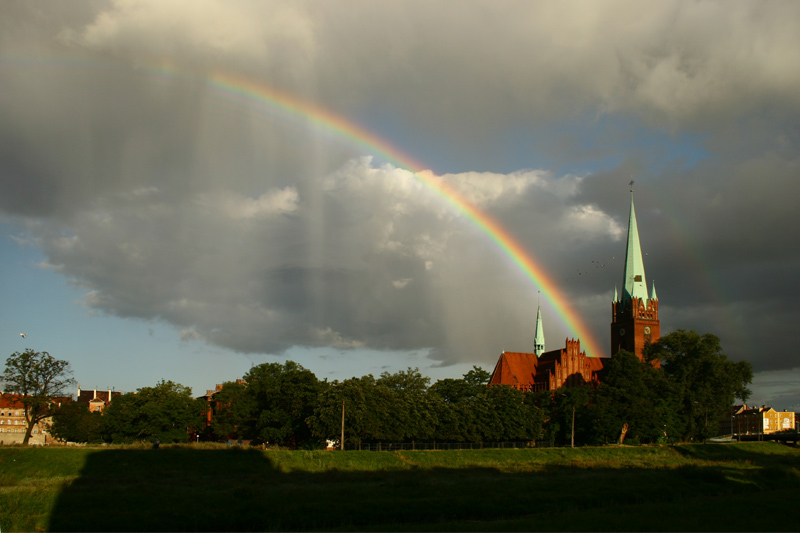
point(631, 185)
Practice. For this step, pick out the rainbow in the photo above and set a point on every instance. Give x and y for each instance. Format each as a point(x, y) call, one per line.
point(338, 128)
point(335, 126)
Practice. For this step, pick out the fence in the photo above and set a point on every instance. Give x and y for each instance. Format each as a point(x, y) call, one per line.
point(414, 446)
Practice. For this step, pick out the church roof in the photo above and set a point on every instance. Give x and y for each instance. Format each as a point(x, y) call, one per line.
point(634, 284)
point(514, 368)
point(596, 363)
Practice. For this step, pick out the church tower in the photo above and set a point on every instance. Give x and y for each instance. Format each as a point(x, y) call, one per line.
point(538, 342)
point(634, 315)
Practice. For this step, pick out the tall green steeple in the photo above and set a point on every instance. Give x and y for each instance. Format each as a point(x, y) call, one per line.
point(538, 342)
point(634, 284)
point(634, 326)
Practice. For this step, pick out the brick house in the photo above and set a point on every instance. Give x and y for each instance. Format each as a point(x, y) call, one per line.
point(96, 399)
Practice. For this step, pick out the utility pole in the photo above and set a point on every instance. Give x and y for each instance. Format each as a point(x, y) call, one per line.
point(572, 443)
point(341, 441)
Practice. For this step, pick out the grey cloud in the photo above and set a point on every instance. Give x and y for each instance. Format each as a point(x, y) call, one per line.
point(677, 63)
point(168, 200)
point(266, 284)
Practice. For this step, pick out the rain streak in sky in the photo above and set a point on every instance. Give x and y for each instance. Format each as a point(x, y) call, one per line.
point(160, 224)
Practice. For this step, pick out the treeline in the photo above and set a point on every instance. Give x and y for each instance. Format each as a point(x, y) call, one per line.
point(285, 404)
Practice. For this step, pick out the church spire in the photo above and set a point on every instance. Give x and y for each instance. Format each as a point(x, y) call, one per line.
point(539, 338)
point(633, 326)
point(634, 284)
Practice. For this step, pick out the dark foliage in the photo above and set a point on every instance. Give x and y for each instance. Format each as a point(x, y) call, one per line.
point(705, 380)
point(73, 422)
point(167, 412)
point(283, 397)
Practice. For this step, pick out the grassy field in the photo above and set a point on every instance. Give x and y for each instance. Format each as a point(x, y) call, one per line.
point(719, 487)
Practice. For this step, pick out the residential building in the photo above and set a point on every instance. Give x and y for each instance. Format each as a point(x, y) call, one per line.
point(96, 399)
point(13, 423)
point(744, 420)
point(209, 397)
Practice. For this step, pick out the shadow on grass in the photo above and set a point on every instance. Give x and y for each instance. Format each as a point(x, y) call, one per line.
point(184, 489)
point(754, 452)
point(170, 489)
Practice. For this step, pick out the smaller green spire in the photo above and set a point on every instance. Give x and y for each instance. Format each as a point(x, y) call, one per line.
point(653, 292)
point(539, 337)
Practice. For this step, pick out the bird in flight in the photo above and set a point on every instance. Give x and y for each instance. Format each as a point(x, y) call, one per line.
point(22, 335)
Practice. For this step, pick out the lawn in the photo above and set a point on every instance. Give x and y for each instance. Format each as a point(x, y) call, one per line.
point(714, 487)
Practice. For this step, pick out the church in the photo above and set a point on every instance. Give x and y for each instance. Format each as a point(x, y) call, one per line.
point(634, 323)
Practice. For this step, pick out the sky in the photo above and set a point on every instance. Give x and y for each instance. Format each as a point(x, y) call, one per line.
point(190, 188)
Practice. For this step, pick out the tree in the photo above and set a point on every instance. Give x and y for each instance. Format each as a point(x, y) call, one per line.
point(165, 411)
point(477, 376)
point(73, 422)
point(706, 381)
point(285, 396)
point(568, 414)
point(34, 379)
point(408, 412)
point(471, 385)
point(357, 395)
point(505, 413)
point(634, 399)
point(234, 411)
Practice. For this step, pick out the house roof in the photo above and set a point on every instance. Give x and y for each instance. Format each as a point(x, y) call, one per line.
point(89, 395)
point(8, 400)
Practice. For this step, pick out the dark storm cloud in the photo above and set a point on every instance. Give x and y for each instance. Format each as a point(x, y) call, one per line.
point(167, 201)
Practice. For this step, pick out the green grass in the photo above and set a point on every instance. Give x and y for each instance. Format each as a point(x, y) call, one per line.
point(730, 487)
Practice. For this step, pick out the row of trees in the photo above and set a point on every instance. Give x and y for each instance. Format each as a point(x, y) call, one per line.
point(286, 404)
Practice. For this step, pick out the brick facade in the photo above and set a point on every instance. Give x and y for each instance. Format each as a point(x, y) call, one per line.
point(633, 325)
point(568, 366)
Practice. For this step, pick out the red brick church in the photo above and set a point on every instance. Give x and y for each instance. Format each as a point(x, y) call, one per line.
point(634, 322)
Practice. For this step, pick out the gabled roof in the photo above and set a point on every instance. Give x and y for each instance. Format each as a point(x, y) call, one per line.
point(515, 368)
